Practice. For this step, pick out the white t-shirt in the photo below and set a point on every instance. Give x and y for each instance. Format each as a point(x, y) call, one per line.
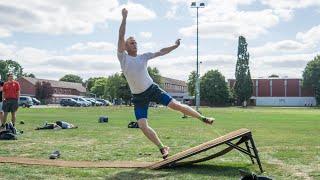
point(135, 71)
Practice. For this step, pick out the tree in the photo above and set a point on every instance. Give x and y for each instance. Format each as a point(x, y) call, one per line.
point(124, 90)
point(90, 82)
point(273, 76)
point(71, 78)
point(155, 75)
point(214, 89)
point(191, 83)
point(99, 86)
point(29, 75)
point(311, 76)
point(3, 69)
point(243, 86)
point(11, 66)
point(44, 91)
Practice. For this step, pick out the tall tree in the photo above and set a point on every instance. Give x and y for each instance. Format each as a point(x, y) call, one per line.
point(44, 91)
point(214, 89)
point(71, 78)
point(311, 76)
point(91, 81)
point(99, 86)
point(243, 86)
point(7, 66)
point(191, 83)
point(155, 75)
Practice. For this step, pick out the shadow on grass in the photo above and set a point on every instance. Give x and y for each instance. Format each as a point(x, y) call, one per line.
point(227, 172)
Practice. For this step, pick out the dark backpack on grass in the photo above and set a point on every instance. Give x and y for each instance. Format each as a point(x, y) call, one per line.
point(251, 176)
point(9, 134)
point(133, 125)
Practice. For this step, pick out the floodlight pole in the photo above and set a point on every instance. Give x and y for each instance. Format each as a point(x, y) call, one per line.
point(197, 86)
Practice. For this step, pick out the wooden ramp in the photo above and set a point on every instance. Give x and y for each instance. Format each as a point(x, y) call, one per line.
point(240, 136)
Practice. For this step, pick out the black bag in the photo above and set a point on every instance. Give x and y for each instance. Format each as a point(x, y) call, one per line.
point(251, 176)
point(10, 133)
point(103, 119)
point(6, 135)
point(133, 124)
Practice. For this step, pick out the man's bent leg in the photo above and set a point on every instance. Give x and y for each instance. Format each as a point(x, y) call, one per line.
point(152, 136)
point(185, 109)
point(149, 132)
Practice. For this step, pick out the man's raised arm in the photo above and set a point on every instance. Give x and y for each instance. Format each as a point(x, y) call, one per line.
point(122, 31)
point(167, 50)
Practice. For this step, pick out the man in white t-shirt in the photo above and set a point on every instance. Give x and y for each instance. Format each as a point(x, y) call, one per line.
point(142, 87)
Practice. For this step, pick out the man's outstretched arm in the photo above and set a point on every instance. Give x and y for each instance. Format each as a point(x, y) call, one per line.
point(167, 50)
point(122, 31)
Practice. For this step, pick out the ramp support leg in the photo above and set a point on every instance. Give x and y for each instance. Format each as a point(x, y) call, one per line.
point(248, 148)
point(256, 153)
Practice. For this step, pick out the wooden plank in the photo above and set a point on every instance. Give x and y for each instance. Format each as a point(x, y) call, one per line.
point(75, 164)
point(200, 148)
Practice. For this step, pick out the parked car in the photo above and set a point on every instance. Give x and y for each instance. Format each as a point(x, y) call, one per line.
point(94, 102)
point(83, 102)
point(69, 102)
point(25, 101)
point(104, 102)
point(36, 101)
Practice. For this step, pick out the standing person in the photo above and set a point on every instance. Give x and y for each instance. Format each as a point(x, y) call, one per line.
point(10, 97)
point(144, 90)
point(1, 88)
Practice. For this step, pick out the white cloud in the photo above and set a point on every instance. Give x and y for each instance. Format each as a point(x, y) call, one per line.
point(222, 19)
point(147, 46)
point(280, 47)
point(93, 46)
point(285, 8)
point(311, 36)
point(60, 16)
point(146, 35)
point(7, 51)
point(4, 33)
point(136, 12)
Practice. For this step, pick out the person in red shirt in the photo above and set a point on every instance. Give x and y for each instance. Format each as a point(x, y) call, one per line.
point(10, 97)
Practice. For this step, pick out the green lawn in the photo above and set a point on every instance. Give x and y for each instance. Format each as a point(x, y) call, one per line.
point(287, 139)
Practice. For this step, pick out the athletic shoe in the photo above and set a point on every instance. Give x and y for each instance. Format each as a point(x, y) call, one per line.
point(208, 120)
point(165, 152)
point(54, 155)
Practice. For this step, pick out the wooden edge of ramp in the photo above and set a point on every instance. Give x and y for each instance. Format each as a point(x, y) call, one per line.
point(75, 164)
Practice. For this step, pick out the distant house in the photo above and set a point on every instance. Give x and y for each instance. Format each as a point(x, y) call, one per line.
point(61, 89)
point(279, 92)
point(176, 88)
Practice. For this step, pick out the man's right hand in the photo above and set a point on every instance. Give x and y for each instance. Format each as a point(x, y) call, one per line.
point(124, 13)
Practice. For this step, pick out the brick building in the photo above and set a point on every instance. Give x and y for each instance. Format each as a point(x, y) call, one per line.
point(280, 92)
point(61, 89)
point(176, 88)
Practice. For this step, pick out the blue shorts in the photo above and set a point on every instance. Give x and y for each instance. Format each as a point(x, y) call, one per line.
point(153, 94)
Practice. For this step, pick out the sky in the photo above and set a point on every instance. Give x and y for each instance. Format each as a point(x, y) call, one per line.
point(53, 38)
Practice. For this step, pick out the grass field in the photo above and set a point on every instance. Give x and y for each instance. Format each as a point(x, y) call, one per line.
point(287, 139)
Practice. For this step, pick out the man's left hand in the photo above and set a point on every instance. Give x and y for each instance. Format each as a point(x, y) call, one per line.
point(178, 42)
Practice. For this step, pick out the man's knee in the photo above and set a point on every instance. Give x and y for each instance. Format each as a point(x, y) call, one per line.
point(143, 124)
point(174, 104)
